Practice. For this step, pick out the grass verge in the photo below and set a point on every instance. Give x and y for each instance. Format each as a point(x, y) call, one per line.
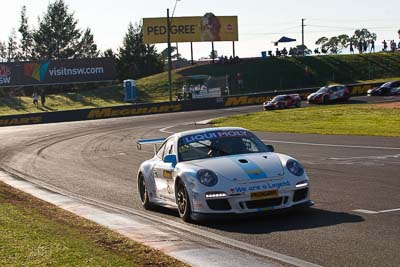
point(365, 119)
point(35, 233)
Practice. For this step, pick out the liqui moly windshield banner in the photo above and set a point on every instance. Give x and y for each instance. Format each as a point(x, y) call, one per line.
point(57, 72)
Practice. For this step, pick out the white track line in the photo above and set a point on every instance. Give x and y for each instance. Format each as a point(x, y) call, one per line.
point(375, 212)
point(331, 145)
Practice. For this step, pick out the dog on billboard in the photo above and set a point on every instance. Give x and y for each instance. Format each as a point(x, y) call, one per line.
point(210, 27)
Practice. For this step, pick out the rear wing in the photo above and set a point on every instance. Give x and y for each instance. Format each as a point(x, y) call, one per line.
point(153, 141)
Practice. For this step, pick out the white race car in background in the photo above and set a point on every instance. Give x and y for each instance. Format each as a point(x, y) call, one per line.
point(220, 171)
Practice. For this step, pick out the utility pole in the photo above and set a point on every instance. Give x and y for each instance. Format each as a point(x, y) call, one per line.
point(302, 36)
point(169, 56)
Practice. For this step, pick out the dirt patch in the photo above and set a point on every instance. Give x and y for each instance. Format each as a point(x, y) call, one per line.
point(387, 105)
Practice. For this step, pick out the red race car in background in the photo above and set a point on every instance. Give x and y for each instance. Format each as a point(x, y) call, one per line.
point(283, 101)
point(329, 94)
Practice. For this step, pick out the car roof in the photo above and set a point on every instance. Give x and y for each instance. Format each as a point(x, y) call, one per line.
point(211, 129)
point(334, 85)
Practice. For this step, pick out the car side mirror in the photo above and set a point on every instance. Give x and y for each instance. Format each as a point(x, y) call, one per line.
point(270, 148)
point(170, 159)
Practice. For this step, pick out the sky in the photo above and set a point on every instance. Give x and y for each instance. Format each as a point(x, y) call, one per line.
point(261, 22)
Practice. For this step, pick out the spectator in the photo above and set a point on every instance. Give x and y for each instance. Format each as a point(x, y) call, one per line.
point(365, 46)
point(351, 48)
point(360, 47)
point(372, 46)
point(316, 51)
point(184, 91)
point(239, 80)
point(385, 46)
point(284, 52)
point(277, 52)
point(191, 91)
point(35, 99)
point(43, 98)
point(393, 46)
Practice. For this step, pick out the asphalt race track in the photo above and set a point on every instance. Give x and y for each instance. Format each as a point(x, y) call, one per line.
point(355, 182)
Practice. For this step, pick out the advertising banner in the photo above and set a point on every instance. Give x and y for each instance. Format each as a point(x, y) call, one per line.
point(191, 29)
point(57, 72)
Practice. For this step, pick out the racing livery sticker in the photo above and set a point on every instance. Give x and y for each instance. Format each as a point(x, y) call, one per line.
point(250, 188)
point(213, 135)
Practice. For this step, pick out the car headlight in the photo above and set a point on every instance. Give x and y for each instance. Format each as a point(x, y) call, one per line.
point(207, 177)
point(295, 167)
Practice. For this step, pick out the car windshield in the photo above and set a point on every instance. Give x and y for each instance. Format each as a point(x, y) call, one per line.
point(278, 98)
point(388, 84)
point(219, 143)
point(322, 90)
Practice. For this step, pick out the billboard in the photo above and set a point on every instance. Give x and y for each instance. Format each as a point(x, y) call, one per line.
point(57, 72)
point(191, 29)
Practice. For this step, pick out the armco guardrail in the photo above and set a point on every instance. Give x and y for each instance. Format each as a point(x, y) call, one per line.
point(162, 107)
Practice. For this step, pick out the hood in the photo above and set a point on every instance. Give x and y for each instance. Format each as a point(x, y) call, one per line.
point(373, 89)
point(270, 103)
point(243, 167)
point(314, 95)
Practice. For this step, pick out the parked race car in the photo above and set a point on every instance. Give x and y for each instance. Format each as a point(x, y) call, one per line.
point(389, 88)
point(283, 101)
point(220, 171)
point(329, 94)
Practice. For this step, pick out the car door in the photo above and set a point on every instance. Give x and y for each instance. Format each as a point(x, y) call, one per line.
point(334, 93)
point(163, 172)
point(395, 88)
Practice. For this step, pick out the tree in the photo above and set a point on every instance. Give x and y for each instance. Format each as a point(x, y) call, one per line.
point(135, 58)
point(58, 35)
point(87, 47)
point(3, 51)
point(214, 54)
point(333, 45)
point(362, 36)
point(164, 54)
point(12, 47)
point(108, 53)
point(26, 42)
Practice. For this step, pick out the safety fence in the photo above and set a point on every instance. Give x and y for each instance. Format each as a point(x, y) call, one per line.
point(162, 107)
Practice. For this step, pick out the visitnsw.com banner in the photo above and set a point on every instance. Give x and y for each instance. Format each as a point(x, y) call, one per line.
point(57, 72)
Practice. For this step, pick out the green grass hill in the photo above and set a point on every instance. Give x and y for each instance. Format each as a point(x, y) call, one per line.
point(258, 76)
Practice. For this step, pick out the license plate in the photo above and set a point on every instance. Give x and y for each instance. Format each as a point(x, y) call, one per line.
point(264, 194)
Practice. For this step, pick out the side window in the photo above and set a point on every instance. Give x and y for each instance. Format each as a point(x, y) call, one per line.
point(169, 147)
point(166, 148)
point(160, 152)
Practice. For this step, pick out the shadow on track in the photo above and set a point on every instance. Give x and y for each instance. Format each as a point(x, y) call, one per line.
point(288, 221)
point(263, 223)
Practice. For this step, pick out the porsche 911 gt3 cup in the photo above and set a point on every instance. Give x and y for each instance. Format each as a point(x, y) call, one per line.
point(220, 171)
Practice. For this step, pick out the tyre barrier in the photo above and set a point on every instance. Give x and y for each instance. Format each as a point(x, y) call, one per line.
point(162, 107)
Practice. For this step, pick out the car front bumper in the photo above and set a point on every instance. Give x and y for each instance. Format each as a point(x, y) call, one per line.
point(244, 203)
point(199, 216)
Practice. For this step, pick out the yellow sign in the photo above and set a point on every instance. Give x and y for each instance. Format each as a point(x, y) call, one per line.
point(191, 29)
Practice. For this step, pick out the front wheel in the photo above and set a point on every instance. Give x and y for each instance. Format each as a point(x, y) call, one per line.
point(326, 99)
point(183, 202)
point(298, 104)
point(143, 192)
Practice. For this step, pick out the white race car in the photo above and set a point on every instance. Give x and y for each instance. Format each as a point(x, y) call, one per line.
point(220, 171)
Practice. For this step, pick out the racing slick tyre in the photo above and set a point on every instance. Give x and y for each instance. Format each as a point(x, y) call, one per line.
point(326, 99)
point(298, 104)
point(143, 192)
point(281, 106)
point(183, 202)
